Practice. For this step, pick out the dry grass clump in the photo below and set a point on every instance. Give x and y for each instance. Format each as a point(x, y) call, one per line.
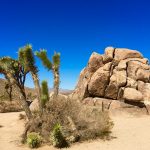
point(22, 117)
point(78, 122)
point(10, 106)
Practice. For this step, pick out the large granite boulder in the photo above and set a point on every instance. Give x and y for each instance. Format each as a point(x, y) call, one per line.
point(99, 81)
point(34, 107)
point(118, 74)
point(123, 53)
point(132, 94)
point(95, 62)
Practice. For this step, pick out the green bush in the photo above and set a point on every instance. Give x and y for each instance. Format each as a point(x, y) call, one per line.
point(34, 140)
point(57, 138)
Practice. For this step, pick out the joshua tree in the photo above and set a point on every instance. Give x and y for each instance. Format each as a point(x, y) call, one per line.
point(44, 94)
point(54, 66)
point(15, 73)
point(26, 57)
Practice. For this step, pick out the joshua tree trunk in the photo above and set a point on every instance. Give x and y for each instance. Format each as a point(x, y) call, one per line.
point(24, 104)
point(9, 92)
point(56, 83)
point(8, 88)
point(38, 90)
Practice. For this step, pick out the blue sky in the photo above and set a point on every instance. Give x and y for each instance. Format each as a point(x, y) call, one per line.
point(75, 28)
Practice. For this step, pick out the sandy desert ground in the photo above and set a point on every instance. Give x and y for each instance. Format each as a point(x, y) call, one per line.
point(131, 133)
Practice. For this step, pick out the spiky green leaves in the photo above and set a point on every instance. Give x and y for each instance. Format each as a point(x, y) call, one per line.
point(54, 66)
point(7, 64)
point(34, 140)
point(46, 61)
point(43, 56)
point(56, 60)
point(57, 137)
point(26, 58)
point(44, 94)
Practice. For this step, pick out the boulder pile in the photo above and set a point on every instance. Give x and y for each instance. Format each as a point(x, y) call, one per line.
point(119, 74)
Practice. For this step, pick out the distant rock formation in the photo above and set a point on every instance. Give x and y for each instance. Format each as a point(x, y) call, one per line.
point(119, 74)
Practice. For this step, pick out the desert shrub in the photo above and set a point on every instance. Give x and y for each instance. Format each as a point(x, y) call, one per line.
point(10, 106)
point(34, 140)
point(22, 117)
point(93, 123)
point(84, 122)
point(57, 138)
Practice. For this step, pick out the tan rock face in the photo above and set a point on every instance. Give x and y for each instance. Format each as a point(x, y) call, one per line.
point(143, 75)
point(99, 81)
point(95, 62)
point(119, 74)
point(109, 54)
point(81, 88)
point(144, 88)
point(34, 105)
point(132, 95)
point(123, 53)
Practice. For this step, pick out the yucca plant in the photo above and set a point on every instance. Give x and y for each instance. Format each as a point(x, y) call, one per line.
point(15, 73)
point(54, 66)
point(44, 93)
point(34, 140)
point(26, 58)
point(57, 138)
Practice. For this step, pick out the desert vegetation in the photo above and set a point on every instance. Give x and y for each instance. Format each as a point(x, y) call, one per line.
point(59, 120)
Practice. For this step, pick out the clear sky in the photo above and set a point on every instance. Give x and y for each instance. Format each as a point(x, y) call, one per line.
point(75, 28)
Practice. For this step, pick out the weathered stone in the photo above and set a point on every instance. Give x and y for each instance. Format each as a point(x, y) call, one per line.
point(117, 80)
point(109, 51)
point(141, 85)
point(95, 62)
point(81, 90)
point(143, 75)
point(115, 75)
point(132, 95)
point(111, 91)
point(102, 103)
point(121, 78)
point(88, 101)
point(120, 93)
point(99, 81)
point(131, 83)
point(144, 88)
point(142, 60)
point(132, 69)
point(122, 65)
point(107, 66)
point(123, 53)
point(106, 59)
point(34, 107)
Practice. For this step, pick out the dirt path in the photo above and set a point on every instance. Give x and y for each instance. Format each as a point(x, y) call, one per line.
point(131, 133)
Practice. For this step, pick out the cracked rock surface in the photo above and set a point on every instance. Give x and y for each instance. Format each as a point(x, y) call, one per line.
point(118, 74)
